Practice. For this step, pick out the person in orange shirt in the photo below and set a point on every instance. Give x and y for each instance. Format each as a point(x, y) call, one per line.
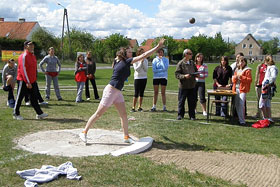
point(241, 80)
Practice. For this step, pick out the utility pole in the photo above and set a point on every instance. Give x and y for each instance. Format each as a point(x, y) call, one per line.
point(65, 16)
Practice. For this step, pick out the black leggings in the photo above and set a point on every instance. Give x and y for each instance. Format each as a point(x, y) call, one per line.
point(139, 87)
point(200, 90)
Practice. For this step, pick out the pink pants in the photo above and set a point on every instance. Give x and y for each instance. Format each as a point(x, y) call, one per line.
point(111, 96)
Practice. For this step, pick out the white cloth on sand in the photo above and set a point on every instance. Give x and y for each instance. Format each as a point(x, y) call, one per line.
point(48, 173)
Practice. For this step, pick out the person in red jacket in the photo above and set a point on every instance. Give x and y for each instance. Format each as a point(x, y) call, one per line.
point(80, 76)
point(241, 80)
point(27, 76)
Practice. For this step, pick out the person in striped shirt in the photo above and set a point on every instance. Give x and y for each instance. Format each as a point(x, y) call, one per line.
point(200, 81)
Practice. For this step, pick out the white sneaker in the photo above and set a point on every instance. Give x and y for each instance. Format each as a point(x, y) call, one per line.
point(18, 117)
point(129, 140)
point(271, 120)
point(7, 103)
point(41, 116)
point(204, 113)
point(83, 137)
point(195, 111)
point(28, 103)
point(88, 99)
point(43, 103)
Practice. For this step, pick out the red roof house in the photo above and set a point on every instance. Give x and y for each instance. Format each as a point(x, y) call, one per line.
point(149, 42)
point(17, 29)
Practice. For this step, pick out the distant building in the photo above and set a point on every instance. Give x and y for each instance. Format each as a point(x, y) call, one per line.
point(249, 47)
point(148, 45)
point(133, 43)
point(18, 29)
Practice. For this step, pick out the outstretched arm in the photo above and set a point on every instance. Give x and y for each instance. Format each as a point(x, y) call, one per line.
point(148, 53)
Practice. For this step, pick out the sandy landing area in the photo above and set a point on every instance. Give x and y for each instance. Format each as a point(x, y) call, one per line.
point(67, 142)
point(239, 168)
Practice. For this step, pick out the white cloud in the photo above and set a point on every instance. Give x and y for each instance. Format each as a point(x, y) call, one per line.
point(233, 18)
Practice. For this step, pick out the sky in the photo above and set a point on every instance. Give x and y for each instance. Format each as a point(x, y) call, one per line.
point(144, 19)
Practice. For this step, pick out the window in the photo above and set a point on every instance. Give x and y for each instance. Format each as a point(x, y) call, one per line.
point(250, 53)
point(250, 46)
point(244, 46)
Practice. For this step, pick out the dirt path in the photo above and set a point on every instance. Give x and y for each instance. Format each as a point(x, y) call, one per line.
point(239, 168)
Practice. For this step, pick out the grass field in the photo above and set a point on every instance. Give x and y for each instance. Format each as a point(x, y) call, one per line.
point(133, 170)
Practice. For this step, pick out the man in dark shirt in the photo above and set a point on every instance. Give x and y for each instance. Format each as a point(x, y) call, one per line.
point(186, 73)
point(222, 79)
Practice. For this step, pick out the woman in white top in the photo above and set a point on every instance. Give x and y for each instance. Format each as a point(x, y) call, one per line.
point(140, 80)
point(268, 82)
point(200, 81)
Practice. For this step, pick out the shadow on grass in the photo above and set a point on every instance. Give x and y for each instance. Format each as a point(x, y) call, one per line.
point(132, 95)
point(63, 120)
point(177, 145)
point(161, 111)
point(60, 104)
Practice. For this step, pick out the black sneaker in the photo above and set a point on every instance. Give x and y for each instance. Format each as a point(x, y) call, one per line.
point(140, 109)
point(242, 124)
point(193, 119)
point(179, 118)
point(153, 109)
point(133, 110)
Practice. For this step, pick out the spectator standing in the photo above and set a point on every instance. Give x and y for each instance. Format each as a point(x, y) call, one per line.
point(260, 73)
point(91, 69)
point(9, 77)
point(222, 80)
point(186, 73)
point(268, 88)
point(241, 80)
point(27, 76)
point(160, 70)
point(80, 76)
point(200, 81)
point(234, 65)
point(53, 68)
point(140, 80)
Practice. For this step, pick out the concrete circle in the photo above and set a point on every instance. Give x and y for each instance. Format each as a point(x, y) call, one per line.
point(67, 142)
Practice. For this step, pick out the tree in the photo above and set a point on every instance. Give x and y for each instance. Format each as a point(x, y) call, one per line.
point(201, 44)
point(209, 46)
point(170, 45)
point(270, 46)
point(99, 51)
point(11, 44)
point(178, 53)
point(231, 49)
point(219, 45)
point(81, 41)
point(44, 40)
point(113, 42)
